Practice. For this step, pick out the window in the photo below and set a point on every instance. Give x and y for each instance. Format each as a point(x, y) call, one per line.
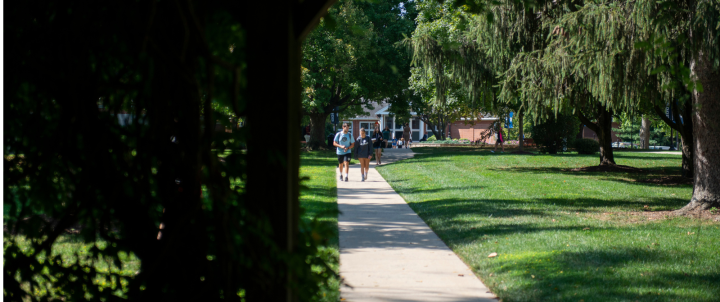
point(389, 122)
point(398, 126)
point(415, 124)
point(369, 126)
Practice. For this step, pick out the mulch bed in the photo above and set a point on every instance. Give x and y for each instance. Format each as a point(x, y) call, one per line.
point(609, 168)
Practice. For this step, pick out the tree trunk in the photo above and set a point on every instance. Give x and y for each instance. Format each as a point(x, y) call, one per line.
point(605, 136)
point(603, 129)
point(706, 185)
point(521, 141)
point(317, 130)
point(645, 133)
point(685, 130)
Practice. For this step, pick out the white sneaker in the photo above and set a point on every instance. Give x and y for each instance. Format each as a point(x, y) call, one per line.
point(362, 177)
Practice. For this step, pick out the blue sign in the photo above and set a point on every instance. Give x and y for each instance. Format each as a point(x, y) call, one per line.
point(508, 121)
point(334, 116)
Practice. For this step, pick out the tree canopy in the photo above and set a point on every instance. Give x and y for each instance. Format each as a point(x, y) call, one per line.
point(352, 59)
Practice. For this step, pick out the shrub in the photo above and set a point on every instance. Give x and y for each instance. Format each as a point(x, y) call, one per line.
point(554, 132)
point(587, 146)
point(431, 138)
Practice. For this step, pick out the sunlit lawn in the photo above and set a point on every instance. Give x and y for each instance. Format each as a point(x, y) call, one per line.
point(319, 199)
point(561, 235)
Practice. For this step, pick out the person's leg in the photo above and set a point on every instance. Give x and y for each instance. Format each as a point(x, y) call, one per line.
point(362, 168)
point(502, 144)
point(340, 165)
point(347, 165)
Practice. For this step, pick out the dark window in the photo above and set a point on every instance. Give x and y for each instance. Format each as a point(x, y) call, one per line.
point(416, 124)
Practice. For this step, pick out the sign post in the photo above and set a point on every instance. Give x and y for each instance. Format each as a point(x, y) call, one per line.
point(334, 118)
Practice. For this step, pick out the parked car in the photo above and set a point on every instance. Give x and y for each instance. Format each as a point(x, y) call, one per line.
point(621, 145)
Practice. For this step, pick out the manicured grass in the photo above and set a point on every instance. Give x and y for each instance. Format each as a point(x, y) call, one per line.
point(561, 235)
point(318, 198)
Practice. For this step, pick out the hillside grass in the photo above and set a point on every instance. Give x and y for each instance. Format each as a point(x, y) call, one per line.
point(562, 235)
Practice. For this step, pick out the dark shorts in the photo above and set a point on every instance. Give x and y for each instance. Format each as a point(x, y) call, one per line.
point(344, 157)
point(377, 145)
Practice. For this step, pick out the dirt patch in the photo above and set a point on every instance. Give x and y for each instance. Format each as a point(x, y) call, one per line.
point(668, 180)
point(649, 216)
point(663, 215)
point(609, 168)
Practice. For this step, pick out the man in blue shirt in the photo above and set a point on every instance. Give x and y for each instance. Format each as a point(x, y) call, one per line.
point(344, 143)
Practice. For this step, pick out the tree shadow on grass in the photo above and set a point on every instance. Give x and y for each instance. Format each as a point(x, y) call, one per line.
point(621, 274)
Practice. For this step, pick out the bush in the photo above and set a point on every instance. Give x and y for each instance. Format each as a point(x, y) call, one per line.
point(554, 132)
point(431, 138)
point(587, 146)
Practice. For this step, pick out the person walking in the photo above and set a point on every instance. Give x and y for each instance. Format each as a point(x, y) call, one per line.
point(500, 139)
point(400, 143)
point(386, 137)
point(363, 152)
point(378, 145)
point(406, 135)
point(344, 143)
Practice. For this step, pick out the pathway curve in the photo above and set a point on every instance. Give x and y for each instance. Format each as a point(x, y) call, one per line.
point(387, 253)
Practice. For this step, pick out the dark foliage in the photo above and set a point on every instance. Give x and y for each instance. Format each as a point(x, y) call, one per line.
point(587, 146)
point(156, 187)
point(555, 132)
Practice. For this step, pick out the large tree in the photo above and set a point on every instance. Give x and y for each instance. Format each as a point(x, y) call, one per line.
point(622, 54)
point(161, 191)
point(352, 60)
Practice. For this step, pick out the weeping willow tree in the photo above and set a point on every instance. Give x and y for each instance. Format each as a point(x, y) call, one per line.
point(604, 57)
point(460, 74)
point(634, 55)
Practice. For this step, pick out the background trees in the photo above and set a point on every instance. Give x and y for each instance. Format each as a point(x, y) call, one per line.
point(352, 59)
point(595, 59)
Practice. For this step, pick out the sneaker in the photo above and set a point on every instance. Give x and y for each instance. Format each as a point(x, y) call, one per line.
point(362, 177)
point(346, 179)
point(491, 151)
point(340, 176)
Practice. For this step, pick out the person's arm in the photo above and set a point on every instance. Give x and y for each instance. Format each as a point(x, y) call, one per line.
point(335, 142)
point(371, 149)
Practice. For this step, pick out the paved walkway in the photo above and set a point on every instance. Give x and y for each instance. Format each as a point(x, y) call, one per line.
point(387, 253)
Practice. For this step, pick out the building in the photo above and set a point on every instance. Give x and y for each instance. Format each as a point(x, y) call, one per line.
point(379, 116)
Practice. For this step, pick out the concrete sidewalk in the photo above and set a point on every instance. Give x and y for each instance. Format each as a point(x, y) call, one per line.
point(387, 253)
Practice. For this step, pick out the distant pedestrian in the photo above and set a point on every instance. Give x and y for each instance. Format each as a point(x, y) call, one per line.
point(400, 143)
point(378, 145)
point(394, 143)
point(406, 134)
point(344, 143)
point(363, 152)
point(500, 139)
point(386, 136)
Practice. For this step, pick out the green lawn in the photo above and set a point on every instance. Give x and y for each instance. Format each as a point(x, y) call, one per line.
point(318, 198)
point(561, 235)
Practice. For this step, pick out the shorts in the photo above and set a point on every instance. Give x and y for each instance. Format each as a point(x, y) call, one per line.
point(344, 158)
point(377, 144)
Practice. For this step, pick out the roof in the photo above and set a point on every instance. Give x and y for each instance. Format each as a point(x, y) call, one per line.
point(372, 115)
